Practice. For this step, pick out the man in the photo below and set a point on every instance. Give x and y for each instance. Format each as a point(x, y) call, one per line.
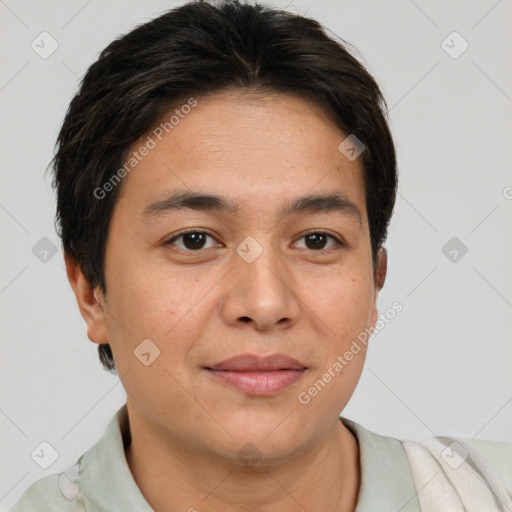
point(225, 178)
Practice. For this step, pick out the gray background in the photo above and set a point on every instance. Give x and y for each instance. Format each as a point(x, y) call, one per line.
point(442, 366)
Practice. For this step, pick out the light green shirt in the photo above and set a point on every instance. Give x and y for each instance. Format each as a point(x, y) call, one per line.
point(101, 479)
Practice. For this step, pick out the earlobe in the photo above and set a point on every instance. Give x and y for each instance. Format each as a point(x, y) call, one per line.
point(89, 301)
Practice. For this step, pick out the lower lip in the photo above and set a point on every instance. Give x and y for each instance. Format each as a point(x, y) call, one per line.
point(262, 383)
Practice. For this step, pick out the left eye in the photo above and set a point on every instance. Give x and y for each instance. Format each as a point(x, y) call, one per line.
point(317, 240)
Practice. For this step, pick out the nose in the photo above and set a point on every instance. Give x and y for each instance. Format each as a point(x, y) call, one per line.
point(261, 293)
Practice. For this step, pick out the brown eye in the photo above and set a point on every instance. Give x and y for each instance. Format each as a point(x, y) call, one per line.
point(194, 240)
point(190, 240)
point(318, 240)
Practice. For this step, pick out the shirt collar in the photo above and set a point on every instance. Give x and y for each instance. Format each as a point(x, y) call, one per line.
point(105, 478)
point(386, 479)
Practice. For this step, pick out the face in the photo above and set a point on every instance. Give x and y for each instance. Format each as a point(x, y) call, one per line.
point(257, 277)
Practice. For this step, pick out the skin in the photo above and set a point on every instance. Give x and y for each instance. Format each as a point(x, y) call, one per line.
point(203, 306)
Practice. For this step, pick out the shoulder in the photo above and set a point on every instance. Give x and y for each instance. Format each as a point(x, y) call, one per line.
point(52, 493)
point(444, 472)
point(457, 469)
point(60, 492)
point(499, 456)
point(99, 481)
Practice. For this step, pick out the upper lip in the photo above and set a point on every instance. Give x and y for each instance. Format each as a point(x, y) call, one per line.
point(251, 362)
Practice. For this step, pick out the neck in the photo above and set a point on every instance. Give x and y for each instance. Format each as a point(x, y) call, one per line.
point(173, 478)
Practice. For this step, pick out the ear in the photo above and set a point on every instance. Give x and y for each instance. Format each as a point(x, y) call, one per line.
point(379, 277)
point(381, 269)
point(90, 301)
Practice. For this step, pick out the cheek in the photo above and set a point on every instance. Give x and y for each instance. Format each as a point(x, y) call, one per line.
point(345, 310)
point(345, 305)
point(147, 304)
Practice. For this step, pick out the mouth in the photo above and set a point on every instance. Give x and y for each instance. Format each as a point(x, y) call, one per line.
point(256, 375)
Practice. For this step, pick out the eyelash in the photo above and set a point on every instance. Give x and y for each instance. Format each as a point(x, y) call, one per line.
point(338, 241)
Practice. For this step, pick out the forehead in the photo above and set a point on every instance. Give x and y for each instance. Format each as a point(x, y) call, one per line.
point(250, 147)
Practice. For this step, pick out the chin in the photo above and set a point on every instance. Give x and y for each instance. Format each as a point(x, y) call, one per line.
point(272, 436)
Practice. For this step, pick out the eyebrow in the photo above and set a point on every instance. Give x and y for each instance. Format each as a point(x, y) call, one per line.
point(198, 201)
